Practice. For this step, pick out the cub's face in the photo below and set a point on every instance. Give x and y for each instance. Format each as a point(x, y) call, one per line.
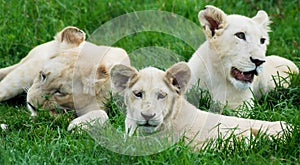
point(53, 87)
point(148, 100)
point(239, 44)
point(243, 45)
point(150, 95)
point(68, 83)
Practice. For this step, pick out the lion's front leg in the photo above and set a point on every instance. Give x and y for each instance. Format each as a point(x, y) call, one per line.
point(7, 70)
point(276, 72)
point(89, 119)
point(9, 89)
point(14, 84)
point(130, 126)
point(18, 80)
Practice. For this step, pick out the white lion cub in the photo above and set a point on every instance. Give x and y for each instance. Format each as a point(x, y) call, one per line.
point(17, 78)
point(77, 79)
point(232, 62)
point(155, 103)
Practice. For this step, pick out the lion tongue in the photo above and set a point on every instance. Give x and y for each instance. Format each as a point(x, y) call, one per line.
point(242, 76)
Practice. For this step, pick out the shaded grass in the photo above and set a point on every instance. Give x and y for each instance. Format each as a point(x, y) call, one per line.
point(44, 139)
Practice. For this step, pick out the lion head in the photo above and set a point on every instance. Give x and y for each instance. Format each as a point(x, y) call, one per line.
point(76, 79)
point(239, 43)
point(52, 88)
point(148, 98)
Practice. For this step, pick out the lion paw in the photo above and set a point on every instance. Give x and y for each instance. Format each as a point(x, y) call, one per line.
point(87, 120)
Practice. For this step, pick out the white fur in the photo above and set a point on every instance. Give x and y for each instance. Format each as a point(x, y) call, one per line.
point(173, 112)
point(16, 78)
point(211, 64)
point(82, 77)
point(49, 67)
point(89, 119)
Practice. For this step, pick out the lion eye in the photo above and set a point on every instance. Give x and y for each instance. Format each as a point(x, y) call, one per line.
point(262, 40)
point(241, 35)
point(43, 76)
point(57, 92)
point(161, 95)
point(138, 94)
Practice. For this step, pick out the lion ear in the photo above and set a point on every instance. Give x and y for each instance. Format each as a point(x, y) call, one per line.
point(178, 77)
point(121, 75)
point(212, 20)
point(102, 73)
point(262, 18)
point(71, 36)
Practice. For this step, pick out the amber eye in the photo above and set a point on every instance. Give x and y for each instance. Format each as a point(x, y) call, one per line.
point(161, 95)
point(262, 40)
point(138, 94)
point(240, 35)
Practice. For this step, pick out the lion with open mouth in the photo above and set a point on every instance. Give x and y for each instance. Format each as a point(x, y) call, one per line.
point(232, 64)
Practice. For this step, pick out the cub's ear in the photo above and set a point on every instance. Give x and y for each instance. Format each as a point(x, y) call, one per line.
point(262, 18)
point(212, 20)
point(102, 73)
point(178, 77)
point(71, 36)
point(122, 77)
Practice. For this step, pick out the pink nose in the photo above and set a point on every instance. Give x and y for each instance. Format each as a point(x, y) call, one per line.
point(147, 116)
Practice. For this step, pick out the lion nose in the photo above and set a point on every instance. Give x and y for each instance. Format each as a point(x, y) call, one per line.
point(257, 62)
point(147, 116)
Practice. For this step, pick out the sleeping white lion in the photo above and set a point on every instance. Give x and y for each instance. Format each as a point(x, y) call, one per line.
point(232, 64)
point(19, 77)
point(66, 73)
point(77, 79)
point(155, 103)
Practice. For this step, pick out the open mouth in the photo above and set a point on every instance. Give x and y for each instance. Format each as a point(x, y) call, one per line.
point(243, 76)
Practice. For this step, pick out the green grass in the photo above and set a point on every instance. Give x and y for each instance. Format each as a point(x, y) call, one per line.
point(45, 140)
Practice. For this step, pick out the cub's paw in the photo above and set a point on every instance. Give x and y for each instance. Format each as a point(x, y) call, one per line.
point(130, 127)
point(87, 120)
